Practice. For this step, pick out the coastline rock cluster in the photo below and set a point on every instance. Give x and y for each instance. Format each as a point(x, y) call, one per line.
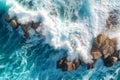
point(103, 47)
point(15, 24)
point(66, 65)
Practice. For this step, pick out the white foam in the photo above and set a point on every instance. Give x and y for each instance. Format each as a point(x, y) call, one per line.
point(23, 15)
point(63, 33)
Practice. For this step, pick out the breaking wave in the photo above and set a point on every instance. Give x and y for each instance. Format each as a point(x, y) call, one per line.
point(68, 27)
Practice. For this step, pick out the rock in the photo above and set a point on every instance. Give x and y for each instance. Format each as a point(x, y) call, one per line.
point(110, 60)
point(14, 23)
point(25, 28)
point(90, 65)
point(103, 46)
point(96, 53)
point(115, 59)
point(66, 65)
point(35, 25)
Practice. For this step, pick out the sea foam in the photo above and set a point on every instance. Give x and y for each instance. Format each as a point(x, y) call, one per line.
point(60, 29)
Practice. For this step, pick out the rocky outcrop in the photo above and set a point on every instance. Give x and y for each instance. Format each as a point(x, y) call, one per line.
point(67, 65)
point(112, 59)
point(102, 46)
point(14, 23)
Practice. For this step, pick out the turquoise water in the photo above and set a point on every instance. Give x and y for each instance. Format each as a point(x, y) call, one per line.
point(32, 59)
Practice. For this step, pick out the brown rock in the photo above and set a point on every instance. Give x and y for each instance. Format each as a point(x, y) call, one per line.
point(25, 28)
point(66, 65)
point(14, 23)
point(103, 46)
point(115, 59)
point(96, 54)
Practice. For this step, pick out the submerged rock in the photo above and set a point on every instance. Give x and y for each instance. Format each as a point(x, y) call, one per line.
point(14, 23)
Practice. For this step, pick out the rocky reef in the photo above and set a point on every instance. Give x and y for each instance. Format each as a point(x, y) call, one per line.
point(103, 47)
point(25, 27)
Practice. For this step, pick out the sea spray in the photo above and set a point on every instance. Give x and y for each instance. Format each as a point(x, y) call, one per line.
point(39, 59)
point(61, 33)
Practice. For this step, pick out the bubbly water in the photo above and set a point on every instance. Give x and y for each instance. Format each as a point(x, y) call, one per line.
point(68, 28)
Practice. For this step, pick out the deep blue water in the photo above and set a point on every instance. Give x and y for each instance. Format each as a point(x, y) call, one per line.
point(32, 59)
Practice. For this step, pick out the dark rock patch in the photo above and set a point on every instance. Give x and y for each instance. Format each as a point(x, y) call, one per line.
point(25, 27)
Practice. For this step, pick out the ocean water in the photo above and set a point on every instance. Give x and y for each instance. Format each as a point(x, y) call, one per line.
point(68, 29)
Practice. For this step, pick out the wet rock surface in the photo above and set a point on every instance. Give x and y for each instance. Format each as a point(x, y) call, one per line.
point(25, 27)
point(103, 47)
point(66, 65)
point(112, 59)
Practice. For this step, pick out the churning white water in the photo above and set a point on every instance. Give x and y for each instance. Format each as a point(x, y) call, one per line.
point(68, 24)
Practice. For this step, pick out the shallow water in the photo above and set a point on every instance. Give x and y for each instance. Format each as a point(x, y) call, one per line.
point(35, 58)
